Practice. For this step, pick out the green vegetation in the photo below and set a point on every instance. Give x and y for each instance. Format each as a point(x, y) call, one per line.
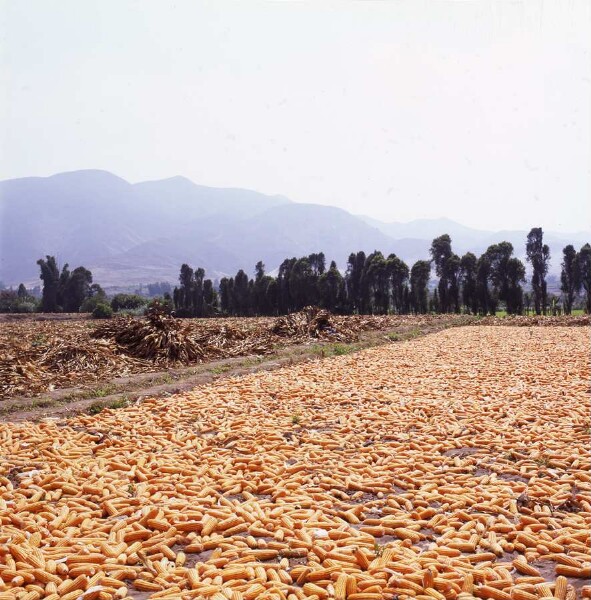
point(102, 311)
point(375, 284)
point(220, 369)
point(97, 407)
point(372, 284)
point(128, 302)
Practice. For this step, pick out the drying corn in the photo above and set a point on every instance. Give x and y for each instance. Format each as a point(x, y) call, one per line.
point(452, 467)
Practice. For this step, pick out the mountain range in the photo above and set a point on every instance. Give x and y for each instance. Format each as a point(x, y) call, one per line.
point(128, 234)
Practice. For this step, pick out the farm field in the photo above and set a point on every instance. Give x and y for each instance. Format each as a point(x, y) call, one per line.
point(40, 356)
point(455, 465)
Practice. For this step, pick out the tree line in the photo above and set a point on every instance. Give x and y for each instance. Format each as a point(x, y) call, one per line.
point(375, 284)
point(371, 284)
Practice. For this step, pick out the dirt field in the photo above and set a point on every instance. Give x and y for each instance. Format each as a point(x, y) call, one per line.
point(455, 465)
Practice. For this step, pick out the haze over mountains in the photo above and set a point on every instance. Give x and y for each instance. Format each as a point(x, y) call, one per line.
point(140, 233)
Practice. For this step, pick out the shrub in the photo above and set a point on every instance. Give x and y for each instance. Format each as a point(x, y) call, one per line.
point(102, 311)
point(128, 302)
point(91, 303)
point(25, 307)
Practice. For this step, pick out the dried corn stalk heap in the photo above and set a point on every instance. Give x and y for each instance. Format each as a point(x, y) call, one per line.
point(159, 337)
point(454, 466)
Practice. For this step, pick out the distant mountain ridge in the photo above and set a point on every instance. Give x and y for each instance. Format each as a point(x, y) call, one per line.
point(139, 233)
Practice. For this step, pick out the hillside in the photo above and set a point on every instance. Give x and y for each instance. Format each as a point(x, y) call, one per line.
point(133, 233)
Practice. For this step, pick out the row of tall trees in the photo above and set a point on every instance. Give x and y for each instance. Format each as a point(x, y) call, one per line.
point(375, 284)
point(371, 284)
point(575, 276)
point(195, 297)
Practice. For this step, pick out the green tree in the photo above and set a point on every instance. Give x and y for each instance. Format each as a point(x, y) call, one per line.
point(332, 289)
point(50, 276)
point(447, 268)
point(584, 261)
point(538, 254)
point(355, 268)
point(302, 284)
point(226, 295)
point(286, 303)
point(76, 289)
point(506, 275)
point(260, 299)
point(514, 298)
point(185, 295)
point(419, 279)
point(62, 286)
point(272, 296)
point(127, 302)
point(569, 277)
point(375, 282)
point(197, 293)
point(468, 270)
point(486, 302)
point(240, 293)
point(209, 306)
point(398, 272)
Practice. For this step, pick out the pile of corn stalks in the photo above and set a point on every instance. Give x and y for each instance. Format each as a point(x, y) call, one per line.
point(313, 322)
point(159, 337)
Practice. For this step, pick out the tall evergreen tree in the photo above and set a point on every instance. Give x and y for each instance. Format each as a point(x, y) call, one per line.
point(225, 296)
point(186, 289)
point(62, 286)
point(50, 275)
point(302, 284)
point(331, 287)
point(486, 303)
point(468, 270)
point(375, 280)
point(584, 262)
point(77, 289)
point(452, 276)
point(514, 291)
point(441, 254)
point(286, 304)
point(197, 309)
point(538, 254)
point(399, 272)
point(419, 279)
point(569, 277)
point(355, 267)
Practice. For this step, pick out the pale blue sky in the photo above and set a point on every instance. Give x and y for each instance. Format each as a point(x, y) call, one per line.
point(398, 110)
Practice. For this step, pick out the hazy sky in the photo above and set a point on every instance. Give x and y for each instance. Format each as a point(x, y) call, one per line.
point(478, 111)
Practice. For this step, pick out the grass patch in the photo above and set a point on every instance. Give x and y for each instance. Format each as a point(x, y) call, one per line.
point(97, 407)
point(341, 349)
point(119, 403)
point(220, 369)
